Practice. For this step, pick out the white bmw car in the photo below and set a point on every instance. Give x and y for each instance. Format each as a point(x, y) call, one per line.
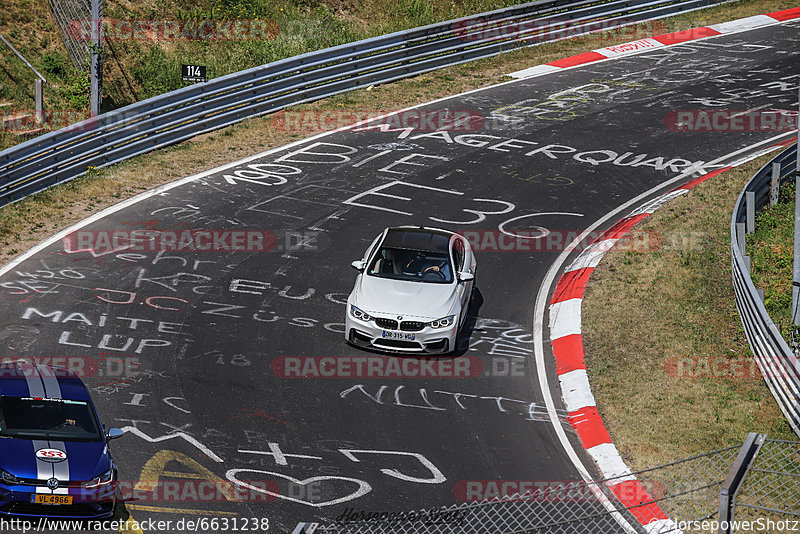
point(412, 291)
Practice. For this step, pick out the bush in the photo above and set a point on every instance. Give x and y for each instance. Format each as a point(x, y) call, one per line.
point(77, 90)
point(54, 64)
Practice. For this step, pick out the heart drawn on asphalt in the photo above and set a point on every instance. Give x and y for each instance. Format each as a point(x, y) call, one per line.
point(363, 487)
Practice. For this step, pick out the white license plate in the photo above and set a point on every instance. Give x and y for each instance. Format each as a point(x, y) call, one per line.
point(398, 335)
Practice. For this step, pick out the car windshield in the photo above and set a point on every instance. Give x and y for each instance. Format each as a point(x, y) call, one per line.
point(52, 419)
point(412, 265)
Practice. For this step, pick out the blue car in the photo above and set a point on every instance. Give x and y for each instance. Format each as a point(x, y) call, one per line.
point(54, 457)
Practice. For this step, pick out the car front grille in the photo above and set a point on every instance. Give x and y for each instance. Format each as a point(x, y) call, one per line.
point(387, 324)
point(411, 326)
point(43, 483)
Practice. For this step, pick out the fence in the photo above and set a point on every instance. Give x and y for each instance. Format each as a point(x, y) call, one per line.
point(687, 490)
point(67, 15)
point(772, 489)
point(778, 363)
point(179, 115)
point(75, 20)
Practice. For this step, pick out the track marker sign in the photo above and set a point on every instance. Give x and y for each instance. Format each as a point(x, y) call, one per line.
point(193, 73)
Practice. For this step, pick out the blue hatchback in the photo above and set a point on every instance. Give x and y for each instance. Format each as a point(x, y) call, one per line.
point(54, 457)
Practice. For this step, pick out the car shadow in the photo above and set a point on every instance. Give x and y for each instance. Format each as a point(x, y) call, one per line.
point(465, 333)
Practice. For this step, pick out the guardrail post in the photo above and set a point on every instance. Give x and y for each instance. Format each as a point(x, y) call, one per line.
point(38, 92)
point(747, 264)
point(774, 184)
point(796, 268)
point(750, 205)
point(736, 476)
point(94, 59)
point(38, 86)
point(740, 237)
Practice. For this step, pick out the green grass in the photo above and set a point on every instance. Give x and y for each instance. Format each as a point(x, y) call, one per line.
point(136, 69)
point(644, 312)
point(771, 251)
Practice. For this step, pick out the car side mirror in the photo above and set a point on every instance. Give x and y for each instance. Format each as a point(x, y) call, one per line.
point(114, 433)
point(359, 265)
point(465, 277)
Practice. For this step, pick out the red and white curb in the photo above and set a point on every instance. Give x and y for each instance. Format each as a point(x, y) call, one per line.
point(567, 343)
point(660, 41)
point(565, 306)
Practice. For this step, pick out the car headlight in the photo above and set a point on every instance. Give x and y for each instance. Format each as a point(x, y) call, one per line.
point(103, 480)
point(359, 314)
point(7, 477)
point(444, 322)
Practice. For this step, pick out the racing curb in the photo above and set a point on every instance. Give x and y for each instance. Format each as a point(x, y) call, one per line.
point(660, 41)
point(565, 306)
point(567, 343)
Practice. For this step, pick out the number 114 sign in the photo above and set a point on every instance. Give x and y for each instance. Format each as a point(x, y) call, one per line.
point(193, 73)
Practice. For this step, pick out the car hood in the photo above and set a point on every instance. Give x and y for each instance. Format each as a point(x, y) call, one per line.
point(85, 460)
point(399, 297)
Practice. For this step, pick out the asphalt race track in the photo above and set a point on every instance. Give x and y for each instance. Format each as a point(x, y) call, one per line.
point(200, 339)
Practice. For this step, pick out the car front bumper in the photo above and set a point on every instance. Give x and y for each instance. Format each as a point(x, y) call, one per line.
point(96, 503)
point(428, 340)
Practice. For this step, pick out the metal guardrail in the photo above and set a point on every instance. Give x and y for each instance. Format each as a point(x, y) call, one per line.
point(179, 115)
point(777, 362)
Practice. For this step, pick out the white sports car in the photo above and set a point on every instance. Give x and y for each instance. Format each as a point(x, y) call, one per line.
point(412, 291)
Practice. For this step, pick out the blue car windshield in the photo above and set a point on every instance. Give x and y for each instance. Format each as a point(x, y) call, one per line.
point(412, 265)
point(51, 419)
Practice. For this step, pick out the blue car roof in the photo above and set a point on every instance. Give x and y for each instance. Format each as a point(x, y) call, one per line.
point(27, 380)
